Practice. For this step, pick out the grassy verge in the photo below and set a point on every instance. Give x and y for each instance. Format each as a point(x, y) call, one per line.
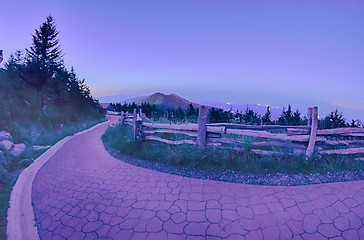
point(120, 139)
point(10, 170)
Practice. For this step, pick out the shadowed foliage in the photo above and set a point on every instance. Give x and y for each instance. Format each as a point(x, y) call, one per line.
point(41, 101)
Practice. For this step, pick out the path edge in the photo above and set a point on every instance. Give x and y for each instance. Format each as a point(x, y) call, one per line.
point(21, 221)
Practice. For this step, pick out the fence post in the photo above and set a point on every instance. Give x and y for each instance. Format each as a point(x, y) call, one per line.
point(312, 141)
point(135, 122)
point(122, 117)
point(144, 117)
point(309, 117)
point(140, 125)
point(203, 119)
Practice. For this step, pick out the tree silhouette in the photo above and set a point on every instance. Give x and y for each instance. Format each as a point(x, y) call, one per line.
point(40, 89)
point(334, 120)
point(251, 117)
point(266, 119)
point(296, 118)
point(45, 49)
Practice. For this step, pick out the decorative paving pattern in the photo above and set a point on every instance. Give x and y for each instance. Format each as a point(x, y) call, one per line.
point(84, 193)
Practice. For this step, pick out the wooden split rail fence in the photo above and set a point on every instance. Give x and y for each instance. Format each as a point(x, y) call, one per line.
point(300, 140)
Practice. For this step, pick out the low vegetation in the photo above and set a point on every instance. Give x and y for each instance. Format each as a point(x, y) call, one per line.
point(120, 139)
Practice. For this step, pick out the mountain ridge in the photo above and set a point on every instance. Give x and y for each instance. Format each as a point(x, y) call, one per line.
point(169, 101)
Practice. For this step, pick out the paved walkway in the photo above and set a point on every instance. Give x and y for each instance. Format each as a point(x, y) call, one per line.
point(84, 193)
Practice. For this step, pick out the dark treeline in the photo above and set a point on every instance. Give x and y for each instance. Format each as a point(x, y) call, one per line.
point(217, 115)
point(156, 113)
point(252, 118)
point(38, 92)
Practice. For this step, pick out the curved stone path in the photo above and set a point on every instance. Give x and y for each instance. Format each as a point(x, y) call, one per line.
point(84, 193)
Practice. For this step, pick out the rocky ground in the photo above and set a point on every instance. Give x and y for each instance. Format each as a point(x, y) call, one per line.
point(278, 179)
point(14, 156)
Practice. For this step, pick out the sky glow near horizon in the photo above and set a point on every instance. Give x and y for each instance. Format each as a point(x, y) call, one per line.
point(302, 53)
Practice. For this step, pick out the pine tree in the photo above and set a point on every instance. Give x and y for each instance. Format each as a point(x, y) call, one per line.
point(289, 115)
point(45, 49)
point(281, 119)
point(335, 120)
point(16, 62)
point(238, 116)
point(41, 90)
point(286, 117)
point(267, 117)
point(296, 118)
point(251, 117)
point(191, 113)
point(356, 123)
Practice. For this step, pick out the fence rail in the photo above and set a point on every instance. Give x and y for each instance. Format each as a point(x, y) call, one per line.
point(298, 139)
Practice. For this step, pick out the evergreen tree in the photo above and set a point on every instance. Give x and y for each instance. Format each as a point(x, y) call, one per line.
point(41, 90)
point(132, 106)
point(289, 115)
point(356, 123)
point(16, 62)
point(45, 50)
point(219, 115)
point(286, 117)
point(266, 119)
point(170, 115)
point(239, 117)
point(251, 117)
point(296, 118)
point(334, 120)
point(155, 113)
point(180, 115)
point(191, 113)
point(281, 119)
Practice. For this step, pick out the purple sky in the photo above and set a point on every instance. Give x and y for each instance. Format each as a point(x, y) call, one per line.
point(269, 52)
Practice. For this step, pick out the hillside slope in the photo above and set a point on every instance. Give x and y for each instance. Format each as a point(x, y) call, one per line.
point(41, 102)
point(168, 101)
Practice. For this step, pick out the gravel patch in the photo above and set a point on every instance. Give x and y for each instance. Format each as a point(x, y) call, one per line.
point(278, 179)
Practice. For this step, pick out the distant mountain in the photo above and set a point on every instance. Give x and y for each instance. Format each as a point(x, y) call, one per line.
point(174, 101)
point(169, 101)
point(119, 99)
point(134, 99)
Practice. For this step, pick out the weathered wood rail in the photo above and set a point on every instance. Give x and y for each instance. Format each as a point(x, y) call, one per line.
point(302, 140)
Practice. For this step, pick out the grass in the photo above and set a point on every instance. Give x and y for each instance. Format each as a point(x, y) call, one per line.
point(120, 139)
point(10, 170)
point(6, 184)
point(38, 135)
